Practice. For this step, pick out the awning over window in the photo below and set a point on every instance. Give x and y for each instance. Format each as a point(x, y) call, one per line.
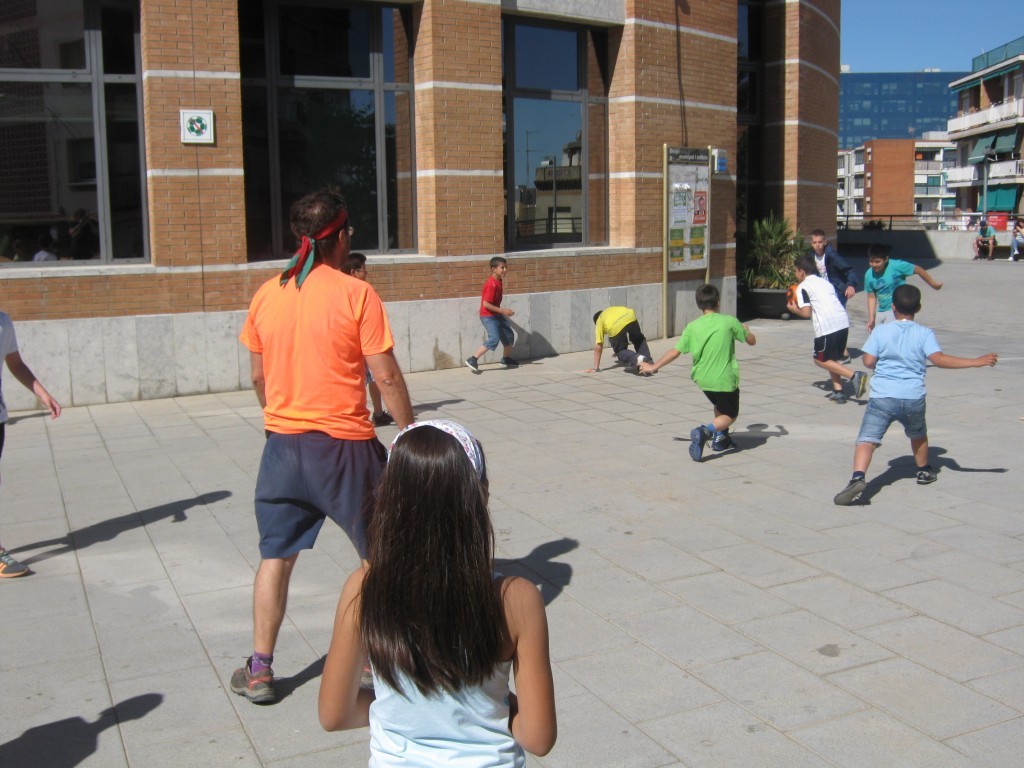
point(980, 148)
point(1001, 198)
point(965, 86)
point(998, 72)
point(1005, 141)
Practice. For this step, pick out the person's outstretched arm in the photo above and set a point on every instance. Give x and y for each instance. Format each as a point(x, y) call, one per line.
point(343, 704)
point(24, 374)
point(942, 360)
point(532, 708)
point(923, 274)
point(598, 350)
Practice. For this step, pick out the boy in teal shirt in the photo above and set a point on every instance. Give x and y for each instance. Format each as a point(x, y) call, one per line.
point(711, 339)
point(884, 277)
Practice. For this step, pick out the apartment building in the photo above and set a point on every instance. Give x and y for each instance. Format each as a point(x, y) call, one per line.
point(902, 178)
point(987, 129)
point(182, 130)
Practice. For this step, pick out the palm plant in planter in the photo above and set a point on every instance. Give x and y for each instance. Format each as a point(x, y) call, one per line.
point(766, 265)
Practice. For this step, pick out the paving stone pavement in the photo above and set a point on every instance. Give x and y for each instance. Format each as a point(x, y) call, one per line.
point(724, 613)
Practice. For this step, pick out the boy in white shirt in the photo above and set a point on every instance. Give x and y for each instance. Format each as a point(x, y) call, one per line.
point(816, 299)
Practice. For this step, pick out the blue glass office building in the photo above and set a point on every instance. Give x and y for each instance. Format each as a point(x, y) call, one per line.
point(893, 105)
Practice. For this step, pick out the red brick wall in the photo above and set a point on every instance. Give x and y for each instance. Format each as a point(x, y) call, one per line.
point(667, 86)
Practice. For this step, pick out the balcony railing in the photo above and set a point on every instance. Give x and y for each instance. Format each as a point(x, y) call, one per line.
point(972, 174)
point(1008, 110)
point(927, 165)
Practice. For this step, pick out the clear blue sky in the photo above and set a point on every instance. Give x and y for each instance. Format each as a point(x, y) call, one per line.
point(911, 35)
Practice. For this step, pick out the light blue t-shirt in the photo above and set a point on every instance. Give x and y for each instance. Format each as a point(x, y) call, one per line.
point(895, 274)
point(902, 349)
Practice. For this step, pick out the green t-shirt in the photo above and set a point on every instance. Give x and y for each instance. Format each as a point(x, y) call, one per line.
point(711, 340)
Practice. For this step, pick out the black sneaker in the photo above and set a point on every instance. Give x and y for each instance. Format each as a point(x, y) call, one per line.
point(471, 362)
point(845, 360)
point(722, 443)
point(698, 438)
point(382, 419)
point(850, 493)
point(258, 688)
point(860, 384)
point(925, 477)
point(838, 397)
point(508, 362)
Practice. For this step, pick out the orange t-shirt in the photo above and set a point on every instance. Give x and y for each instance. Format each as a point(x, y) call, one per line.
point(313, 343)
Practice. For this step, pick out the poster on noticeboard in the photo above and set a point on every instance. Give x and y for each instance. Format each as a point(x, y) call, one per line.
point(687, 207)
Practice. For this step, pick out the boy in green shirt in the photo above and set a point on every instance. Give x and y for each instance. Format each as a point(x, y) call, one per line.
point(711, 340)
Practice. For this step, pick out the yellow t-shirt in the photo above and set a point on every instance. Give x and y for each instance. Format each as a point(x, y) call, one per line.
point(611, 322)
point(314, 341)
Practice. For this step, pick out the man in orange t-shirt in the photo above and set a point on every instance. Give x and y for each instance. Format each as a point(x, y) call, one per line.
point(312, 333)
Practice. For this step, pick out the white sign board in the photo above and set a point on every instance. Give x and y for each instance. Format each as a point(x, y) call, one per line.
point(197, 126)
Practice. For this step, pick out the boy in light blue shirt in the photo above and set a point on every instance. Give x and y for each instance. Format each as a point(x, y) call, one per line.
point(899, 353)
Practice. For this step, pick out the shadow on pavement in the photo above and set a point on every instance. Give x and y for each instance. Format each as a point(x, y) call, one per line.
point(541, 562)
point(110, 529)
point(903, 468)
point(66, 743)
point(286, 686)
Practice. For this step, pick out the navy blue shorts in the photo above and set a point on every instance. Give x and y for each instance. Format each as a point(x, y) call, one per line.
point(306, 477)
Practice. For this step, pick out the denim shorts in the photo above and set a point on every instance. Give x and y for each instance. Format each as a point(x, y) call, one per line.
point(308, 477)
point(498, 329)
point(883, 411)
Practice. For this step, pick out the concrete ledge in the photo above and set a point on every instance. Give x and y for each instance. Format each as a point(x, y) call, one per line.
point(916, 244)
point(122, 359)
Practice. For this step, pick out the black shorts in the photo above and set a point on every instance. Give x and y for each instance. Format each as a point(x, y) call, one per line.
point(726, 403)
point(830, 346)
point(307, 477)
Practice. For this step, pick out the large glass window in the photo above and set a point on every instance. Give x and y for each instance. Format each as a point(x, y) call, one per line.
point(326, 100)
point(72, 183)
point(556, 134)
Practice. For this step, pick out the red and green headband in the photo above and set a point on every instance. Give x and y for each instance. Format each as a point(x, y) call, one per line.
point(304, 258)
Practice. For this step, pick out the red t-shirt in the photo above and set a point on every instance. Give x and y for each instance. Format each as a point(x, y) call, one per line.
point(493, 291)
point(313, 342)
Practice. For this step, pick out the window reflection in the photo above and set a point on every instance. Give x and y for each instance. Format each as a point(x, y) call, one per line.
point(298, 138)
point(327, 137)
point(547, 59)
point(548, 171)
point(37, 35)
point(556, 135)
point(324, 42)
point(48, 166)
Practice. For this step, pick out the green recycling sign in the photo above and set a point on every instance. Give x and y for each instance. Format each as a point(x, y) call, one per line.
point(197, 126)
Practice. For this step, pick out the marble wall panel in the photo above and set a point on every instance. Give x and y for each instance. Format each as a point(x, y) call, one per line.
point(157, 374)
point(121, 356)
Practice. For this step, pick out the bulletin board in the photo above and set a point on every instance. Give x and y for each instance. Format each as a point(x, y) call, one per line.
point(687, 207)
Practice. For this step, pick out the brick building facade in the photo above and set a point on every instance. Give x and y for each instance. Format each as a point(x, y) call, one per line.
point(437, 118)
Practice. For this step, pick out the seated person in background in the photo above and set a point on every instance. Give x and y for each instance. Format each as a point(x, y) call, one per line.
point(45, 252)
point(986, 239)
point(1017, 239)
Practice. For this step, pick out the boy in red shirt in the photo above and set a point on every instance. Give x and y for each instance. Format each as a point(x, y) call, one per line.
point(494, 318)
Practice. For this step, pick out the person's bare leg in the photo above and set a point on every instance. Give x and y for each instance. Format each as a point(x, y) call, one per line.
point(836, 369)
point(269, 601)
point(919, 445)
point(862, 456)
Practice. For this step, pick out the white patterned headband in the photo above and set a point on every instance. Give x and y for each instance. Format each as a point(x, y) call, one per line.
point(456, 430)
